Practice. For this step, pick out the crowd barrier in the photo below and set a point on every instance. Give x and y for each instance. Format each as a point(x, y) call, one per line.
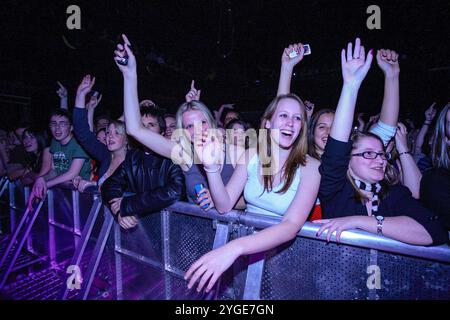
point(82, 242)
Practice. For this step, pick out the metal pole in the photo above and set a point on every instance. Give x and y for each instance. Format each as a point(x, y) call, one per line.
point(12, 205)
point(97, 254)
point(76, 216)
point(51, 230)
point(81, 247)
point(18, 249)
point(118, 261)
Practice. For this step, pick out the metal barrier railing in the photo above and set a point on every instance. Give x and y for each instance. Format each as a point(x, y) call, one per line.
point(165, 244)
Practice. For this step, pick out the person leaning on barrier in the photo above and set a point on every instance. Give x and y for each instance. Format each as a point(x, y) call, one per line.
point(145, 182)
point(109, 155)
point(68, 158)
point(279, 179)
point(358, 188)
point(37, 151)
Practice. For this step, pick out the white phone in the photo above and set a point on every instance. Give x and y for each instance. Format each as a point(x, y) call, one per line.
point(307, 49)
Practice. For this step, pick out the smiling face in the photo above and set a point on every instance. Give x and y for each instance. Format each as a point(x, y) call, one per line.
point(101, 136)
point(286, 123)
point(151, 122)
point(322, 131)
point(61, 128)
point(367, 170)
point(115, 138)
point(30, 143)
point(194, 119)
point(170, 126)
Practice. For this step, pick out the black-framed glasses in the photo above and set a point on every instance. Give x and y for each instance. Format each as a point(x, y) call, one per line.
point(372, 155)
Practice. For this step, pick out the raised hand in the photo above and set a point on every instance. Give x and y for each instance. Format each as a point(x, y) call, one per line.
point(286, 60)
point(309, 109)
point(62, 91)
point(388, 62)
point(209, 149)
point(124, 52)
point(430, 113)
point(401, 138)
point(355, 64)
point(193, 94)
point(85, 86)
point(93, 102)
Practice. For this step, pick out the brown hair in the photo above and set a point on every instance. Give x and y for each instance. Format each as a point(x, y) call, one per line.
point(297, 155)
point(312, 124)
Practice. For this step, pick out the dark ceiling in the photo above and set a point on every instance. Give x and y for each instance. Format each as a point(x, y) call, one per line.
point(231, 48)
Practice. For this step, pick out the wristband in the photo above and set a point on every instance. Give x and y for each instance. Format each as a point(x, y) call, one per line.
point(213, 171)
point(406, 152)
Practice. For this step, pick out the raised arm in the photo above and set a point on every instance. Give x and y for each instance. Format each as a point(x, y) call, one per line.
point(150, 139)
point(193, 93)
point(355, 67)
point(90, 106)
point(62, 93)
point(411, 174)
point(388, 62)
point(287, 67)
point(85, 137)
point(430, 113)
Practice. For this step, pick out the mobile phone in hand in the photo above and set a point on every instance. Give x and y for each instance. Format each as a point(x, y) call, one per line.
point(307, 51)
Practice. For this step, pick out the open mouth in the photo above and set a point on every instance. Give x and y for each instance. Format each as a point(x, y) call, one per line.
point(378, 169)
point(287, 133)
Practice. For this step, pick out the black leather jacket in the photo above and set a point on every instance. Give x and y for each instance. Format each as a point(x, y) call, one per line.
point(154, 181)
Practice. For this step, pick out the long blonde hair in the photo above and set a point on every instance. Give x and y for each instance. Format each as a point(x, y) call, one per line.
point(297, 155)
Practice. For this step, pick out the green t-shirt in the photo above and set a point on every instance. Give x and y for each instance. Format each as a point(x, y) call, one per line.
point(63, 156)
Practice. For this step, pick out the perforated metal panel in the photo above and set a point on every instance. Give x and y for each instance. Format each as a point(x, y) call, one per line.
point(311, 269)
point(189, 239)
point(145, 239)
point(411, 278)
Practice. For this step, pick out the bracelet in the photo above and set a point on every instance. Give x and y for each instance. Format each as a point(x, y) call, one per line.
point(406, 152)
point(213, 171)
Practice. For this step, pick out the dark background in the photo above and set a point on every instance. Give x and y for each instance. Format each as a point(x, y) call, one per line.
point(231, 48)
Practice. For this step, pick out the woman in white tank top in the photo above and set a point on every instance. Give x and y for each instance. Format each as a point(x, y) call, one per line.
point(282, 184)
